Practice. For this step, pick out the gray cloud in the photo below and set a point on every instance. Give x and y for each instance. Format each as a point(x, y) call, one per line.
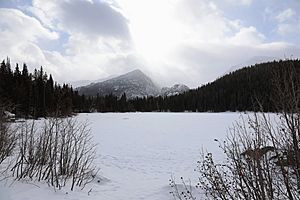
point(94, 19)
point(90, 18)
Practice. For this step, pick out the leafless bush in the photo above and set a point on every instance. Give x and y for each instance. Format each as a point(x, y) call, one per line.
point(59, 152)
point(183, 191)
point(254, 167)
point(7, 137)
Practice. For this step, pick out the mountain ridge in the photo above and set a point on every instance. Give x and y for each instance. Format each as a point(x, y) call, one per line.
point(134, 84)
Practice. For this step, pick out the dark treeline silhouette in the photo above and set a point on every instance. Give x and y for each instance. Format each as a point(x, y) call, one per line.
point(35, 94)
point(38, 95)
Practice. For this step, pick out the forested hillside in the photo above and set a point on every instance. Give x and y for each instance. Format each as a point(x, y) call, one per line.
point(36, 94)
point(246, 89)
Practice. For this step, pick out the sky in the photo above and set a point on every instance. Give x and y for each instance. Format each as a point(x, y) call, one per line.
point(173, 41)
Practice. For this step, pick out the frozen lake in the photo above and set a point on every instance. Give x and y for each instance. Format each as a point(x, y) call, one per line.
point(138, 153)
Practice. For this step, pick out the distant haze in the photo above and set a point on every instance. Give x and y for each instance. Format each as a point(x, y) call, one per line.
point(178, 41)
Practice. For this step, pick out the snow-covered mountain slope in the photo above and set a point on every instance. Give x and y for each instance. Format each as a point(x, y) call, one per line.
point(174, 90)
point(134, 84)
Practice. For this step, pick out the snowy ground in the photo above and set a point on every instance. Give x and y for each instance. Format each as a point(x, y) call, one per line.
point(138, 154)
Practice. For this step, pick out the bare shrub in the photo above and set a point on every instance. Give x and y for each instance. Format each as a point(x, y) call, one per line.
point(254, 167)
point(181, 191)
point(60, 152)
point(7, 137)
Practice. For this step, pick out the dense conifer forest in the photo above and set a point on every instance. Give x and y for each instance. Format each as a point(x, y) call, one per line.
point(37, 94)
point(247, 89)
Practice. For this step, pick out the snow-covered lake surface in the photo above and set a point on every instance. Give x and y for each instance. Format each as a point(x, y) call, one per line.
point(138, 153)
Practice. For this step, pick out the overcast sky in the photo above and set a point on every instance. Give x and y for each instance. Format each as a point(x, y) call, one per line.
point(173, 41)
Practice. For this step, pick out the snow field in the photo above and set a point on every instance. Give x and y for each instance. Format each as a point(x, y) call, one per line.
point(138, 153)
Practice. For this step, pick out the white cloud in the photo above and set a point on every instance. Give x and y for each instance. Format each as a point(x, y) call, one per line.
point(42, 16)
point(246, 2)
point(19, 36)
point(16, 24)
point(240, 2)
point(247, 36)
point(284, 29)
point(285, 15)
point(203, 20)
point(287, 22)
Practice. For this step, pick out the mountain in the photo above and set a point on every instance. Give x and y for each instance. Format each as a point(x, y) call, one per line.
point(174, 90)
point(134, 84)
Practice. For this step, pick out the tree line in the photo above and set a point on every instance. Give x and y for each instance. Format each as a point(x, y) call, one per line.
point(240, 90)
point(36, 94)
